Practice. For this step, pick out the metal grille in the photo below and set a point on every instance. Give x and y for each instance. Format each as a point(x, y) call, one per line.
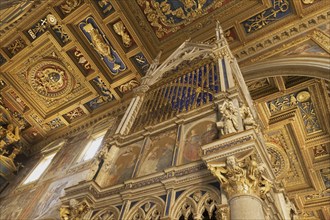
point(178, 94)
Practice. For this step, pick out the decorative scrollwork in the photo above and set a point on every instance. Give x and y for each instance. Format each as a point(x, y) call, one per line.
point(303, 101)
point(16, 46)
point(280, 9)
point(69, 5)
point(167, 18)
point(126, 87)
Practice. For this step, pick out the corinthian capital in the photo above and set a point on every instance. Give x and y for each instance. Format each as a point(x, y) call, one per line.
point(241, 177)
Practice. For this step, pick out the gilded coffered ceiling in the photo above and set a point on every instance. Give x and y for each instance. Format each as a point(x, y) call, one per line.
point(64, 61)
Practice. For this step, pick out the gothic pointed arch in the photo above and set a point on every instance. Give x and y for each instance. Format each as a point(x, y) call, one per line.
point(150, 208)
point(109, 213)
point(196, 201)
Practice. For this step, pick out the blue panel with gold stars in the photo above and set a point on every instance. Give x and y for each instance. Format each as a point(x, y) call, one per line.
point(102, 46)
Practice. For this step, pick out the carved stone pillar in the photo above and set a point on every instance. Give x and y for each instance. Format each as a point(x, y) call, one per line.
point(245, 184)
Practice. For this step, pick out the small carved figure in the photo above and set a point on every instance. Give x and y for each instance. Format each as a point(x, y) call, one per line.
point(246, 115)
point(234, 171)
point(228, 122)
point(265, 186)
point(218, 172)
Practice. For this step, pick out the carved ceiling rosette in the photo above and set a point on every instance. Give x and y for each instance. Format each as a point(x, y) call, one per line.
point(50, 79)
point(279, 160)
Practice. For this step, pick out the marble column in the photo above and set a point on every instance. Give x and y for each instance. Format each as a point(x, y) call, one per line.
point(245, 184)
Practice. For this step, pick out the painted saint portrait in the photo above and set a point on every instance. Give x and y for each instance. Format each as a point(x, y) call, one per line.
point(158, 155)
point(15, 206)
point(50, 200)
point(201, 134)
point(123, 167)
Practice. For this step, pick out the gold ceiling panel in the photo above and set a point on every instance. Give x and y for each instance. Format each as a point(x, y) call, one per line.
point(49, 82)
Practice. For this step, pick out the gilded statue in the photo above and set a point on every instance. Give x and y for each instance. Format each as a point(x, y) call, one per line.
point(9, 135)
point(228, 122)
point(100, 45)
point(120, 29)
point(246, 176)
point(75, 211)
point(64, 213)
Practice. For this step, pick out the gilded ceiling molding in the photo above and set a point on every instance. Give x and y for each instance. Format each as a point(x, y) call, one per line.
point(319, 37)
point(318, 67)
point(166, 17)
point(271, 40)
point(11, 17)
point(279, 10)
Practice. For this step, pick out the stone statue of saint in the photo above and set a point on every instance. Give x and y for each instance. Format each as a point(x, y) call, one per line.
point(228, 122)
point(247, 118)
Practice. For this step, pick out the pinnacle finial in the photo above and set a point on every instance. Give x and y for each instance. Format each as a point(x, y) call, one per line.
point(219, 31)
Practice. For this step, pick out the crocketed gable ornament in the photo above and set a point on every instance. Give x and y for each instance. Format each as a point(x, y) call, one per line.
point(50, 79)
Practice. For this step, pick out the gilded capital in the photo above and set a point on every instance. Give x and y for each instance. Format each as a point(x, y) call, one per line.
point(241, 177)
point(74, 211)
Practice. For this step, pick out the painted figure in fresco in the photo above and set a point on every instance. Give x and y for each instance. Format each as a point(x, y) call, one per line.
point(159, 158)
point(210, 134)
point(50, 199)
point(201, 134)
point(123, 167)
point(247, 118)
point(191, 150)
